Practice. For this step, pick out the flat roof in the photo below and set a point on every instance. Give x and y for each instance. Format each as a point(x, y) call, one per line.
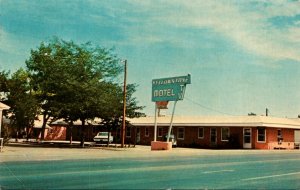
point(220, 121)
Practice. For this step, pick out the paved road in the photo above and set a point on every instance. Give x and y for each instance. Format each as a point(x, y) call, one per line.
point(139, 168)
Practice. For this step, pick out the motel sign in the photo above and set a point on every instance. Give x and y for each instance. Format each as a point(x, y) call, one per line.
point(169, 89)
point(163, 91)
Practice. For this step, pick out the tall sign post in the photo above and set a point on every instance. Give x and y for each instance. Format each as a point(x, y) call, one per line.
point(168, 89)
point(124, 106)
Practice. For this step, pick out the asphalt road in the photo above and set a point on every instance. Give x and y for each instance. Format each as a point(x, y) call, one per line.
point(140, 168)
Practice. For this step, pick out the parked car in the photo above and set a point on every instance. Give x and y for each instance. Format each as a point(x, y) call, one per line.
point(171, 139)
point(102, 137)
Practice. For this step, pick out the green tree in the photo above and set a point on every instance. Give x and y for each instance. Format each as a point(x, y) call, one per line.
point(23, 105)
point(78, 82)
point(132, 108)
point(71, 80)
point(113, 120)
point(45, 73)
point(4, 77)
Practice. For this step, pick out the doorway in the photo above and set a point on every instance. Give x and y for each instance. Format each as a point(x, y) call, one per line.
point(138, 135)
point(213, 136)
point(247, 138)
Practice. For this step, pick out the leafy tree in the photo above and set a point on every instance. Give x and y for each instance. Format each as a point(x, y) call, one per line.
point(70, 79)
point(114, 119)
point(72, 82)
point(114, 109)
point(132, 108)
point(45, 73)
point(4, 76)
point(22, 103)
point(3, 92)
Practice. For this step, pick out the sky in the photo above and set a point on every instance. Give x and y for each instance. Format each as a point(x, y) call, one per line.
point(243, 56)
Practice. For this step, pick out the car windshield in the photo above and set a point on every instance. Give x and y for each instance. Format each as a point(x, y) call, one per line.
point(102, 133)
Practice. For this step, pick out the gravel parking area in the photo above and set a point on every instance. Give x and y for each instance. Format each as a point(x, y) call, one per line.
point(34, 152)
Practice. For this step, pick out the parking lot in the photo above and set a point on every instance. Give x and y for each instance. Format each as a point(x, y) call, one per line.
point(27, 167)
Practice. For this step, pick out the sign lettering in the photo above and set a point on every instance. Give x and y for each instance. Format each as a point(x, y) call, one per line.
point(169, 89)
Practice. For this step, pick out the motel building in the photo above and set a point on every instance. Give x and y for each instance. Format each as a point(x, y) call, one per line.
point(220, 132)
point(211, 132)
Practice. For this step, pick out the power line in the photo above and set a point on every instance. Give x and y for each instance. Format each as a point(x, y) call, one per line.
point(208, 108)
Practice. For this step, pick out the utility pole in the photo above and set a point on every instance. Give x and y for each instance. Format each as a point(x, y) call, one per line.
point(124, 105)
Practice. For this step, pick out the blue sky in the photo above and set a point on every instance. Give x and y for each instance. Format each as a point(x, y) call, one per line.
point(243, 56)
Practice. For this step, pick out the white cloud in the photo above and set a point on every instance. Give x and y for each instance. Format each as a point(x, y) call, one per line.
point(282, 8)
point(8, 44)
point(248, 28)
point(294, 35)
point(15, 45)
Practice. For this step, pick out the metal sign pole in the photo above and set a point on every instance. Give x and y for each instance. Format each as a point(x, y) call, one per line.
point(171, 123)
point(155, 123)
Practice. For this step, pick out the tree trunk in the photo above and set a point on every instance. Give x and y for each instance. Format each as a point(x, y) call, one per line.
point(82, 134)
point(44, 126)
point(27, 133)
point(135, 131)
point(17, 137)
point(71, 132)
point(108, 135)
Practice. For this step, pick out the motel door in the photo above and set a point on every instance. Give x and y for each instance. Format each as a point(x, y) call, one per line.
point(138, 135)
point(247, 138)
point(213, 136)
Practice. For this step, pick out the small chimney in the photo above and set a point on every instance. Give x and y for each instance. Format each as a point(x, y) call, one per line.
point(267, 112)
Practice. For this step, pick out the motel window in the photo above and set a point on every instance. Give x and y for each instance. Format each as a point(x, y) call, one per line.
point(200, 133)
point(128, 132)
point(279, 134)
point(160, 132)
point(147, 132)
point(180, 133)
point(261, 135)
point(224, 134)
